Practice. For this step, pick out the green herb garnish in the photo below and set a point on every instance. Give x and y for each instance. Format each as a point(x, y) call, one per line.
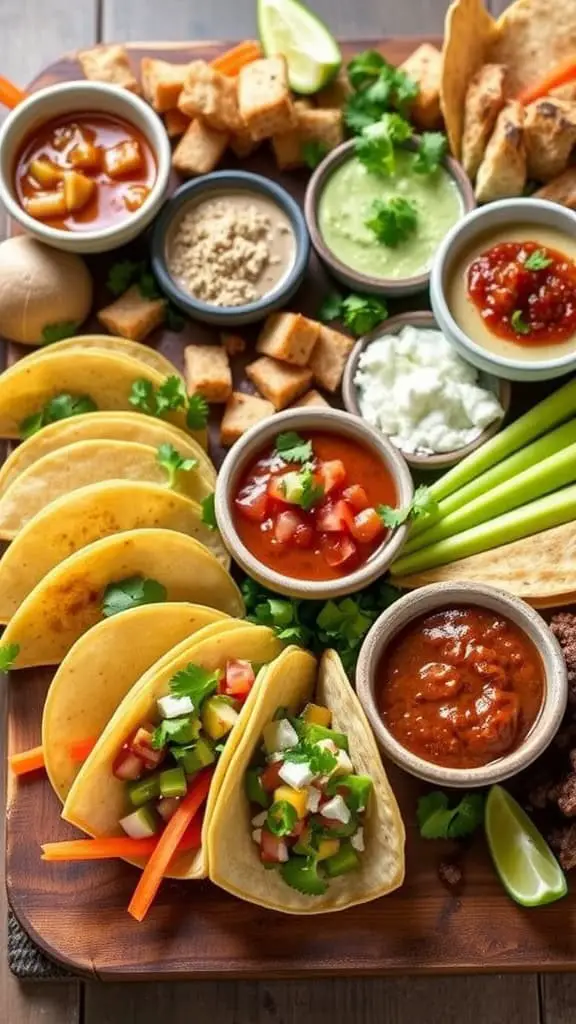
point(537, 260)
point(362, 313)
point(171, 730)
point(174, 319)
point(331, 308)
point(281, 818)
point(60, 407)
point(378, 87)
point(59, 331)
point(365, 68)
point(209, 512)
point(375, 146)
point(313, 153)
point(123, 274)
point(194, 682)
point(437, 820)
point(312, 489)
point(321, 761)
point(197, 412)
point(173, 462)
point(293, 448)
point(392, 220)
point(422, 504)
point(169, 397)
point(132, 592)
point(431, 152)
point(8, 655)
point(518, 323)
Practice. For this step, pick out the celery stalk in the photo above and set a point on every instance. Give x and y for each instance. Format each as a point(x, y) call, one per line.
point(542, 514)
point(549, 475)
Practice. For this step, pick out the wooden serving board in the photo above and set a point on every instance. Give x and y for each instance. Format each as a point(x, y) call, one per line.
point(77, 913)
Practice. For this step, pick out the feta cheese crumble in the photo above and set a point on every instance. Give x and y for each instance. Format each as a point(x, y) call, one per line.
point(296, 774)
point(336, 810)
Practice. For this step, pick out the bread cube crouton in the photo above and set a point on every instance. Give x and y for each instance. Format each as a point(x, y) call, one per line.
point(279, 382)
point(176, 123)
point(329, 357)
point(424, 67)
point(311, 399)
point(233, 343)
point(200, 149)
point(324, 127)
point(550, 134)
point(264, 98)
point(289, 337)
point(109, 64)
point(132, 315)
point(162, 82)
point(207, 372)
point(210, 95)
point(242, 412)
point(334, 95)
point(242, 143)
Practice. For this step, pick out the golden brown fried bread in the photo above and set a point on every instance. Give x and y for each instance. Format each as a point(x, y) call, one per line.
point(550, 134)
point(485, 98)
point(502, 172)
point(424, 67)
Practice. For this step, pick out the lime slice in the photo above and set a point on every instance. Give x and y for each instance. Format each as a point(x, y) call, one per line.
point(312, 54)
point(525, 863)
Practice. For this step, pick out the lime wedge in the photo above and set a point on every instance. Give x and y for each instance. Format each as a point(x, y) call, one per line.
point(312, 54)
point(525, 863)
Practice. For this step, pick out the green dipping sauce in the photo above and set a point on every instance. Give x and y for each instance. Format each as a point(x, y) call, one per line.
point(346, 201)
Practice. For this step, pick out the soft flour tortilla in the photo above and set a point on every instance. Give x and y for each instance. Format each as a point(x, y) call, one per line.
point(233, 856)
point(67, 602)
point(79, 465)
point(532, 37)
point(103, 426)
point(103, 666)
point(541, 569)
point(468, 32)
point(97, 800)
point(87, 515)
point(110, 343)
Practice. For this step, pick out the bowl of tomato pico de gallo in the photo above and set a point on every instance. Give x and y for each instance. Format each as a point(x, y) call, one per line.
point(307, 503)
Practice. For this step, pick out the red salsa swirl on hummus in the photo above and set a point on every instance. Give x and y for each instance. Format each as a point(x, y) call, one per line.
point(307, 507)
point(461, 687)
point(525, 292)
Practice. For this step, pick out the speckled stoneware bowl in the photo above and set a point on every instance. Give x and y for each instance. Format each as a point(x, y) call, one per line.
point(208, 186)
point(443, 595)
point(262, 435)
point(347, 275)
point(442, 460)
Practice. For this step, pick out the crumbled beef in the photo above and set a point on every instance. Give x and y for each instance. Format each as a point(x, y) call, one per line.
point(563, 842)
point(566, 798)
point(563, 625)
point(450, 874)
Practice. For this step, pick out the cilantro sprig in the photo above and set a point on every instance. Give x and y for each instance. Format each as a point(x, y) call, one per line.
point(431, 151)
point(375, 146)
point(194, 682)
point(392, 220)
point(378, 87)
point(293, 448)
point(313, 153)
point(518, 323)
point(209, 512)
point(537, 260)
point(321, 761)
point(8, 655)
point(169, 397)
point(60, 407)
point(172, 730)
point(437, 820)
point(52, 333)
point(422, 505)
point(173, 462)
point(131, 592)
point(359, 313)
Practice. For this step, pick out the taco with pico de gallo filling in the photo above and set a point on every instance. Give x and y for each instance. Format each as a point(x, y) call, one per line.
point(306, 821)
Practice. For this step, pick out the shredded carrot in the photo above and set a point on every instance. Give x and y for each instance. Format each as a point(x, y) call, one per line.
point(118, 846)
point(27, 761)
point(155, 869)
point(80, 749)
point(10, 94)
point(230, 62)
point(561, 75)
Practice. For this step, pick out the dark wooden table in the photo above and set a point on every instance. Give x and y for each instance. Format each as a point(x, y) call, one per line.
point(33, 33)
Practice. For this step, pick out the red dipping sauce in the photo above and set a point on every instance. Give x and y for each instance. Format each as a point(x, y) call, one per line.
point(460, 688)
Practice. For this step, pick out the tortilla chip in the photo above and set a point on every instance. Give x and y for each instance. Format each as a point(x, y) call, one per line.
point(468, 32)
point(110, 343)
point(533, 36)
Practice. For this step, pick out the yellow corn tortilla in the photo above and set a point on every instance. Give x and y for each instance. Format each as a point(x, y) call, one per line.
point(105, 426)
point(110, 343)
point(233, 857)
point(97, 800)
point(468, 32)
point(77, 519)
point(67, 601)
point(533, 37)
point(79, 465)
point(103, 666)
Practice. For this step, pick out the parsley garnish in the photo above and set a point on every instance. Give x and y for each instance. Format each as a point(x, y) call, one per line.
point(518, 323)
point(431, 152)
point(392, 221)
point(312, 489)
point(173, 462)
point(171, 730)
point(281, 818)
point(58, 408)
point(293, 448)
point(8, 655)
point(168, 397)
point(375, 146)
point(132, 592)
point(195, 682)
point(209, 512)
point(422, 504)
point(365, 68)
point(313, 153)
point(58, 332)
point(379, 87)
point(537, 260)
point(122, 274)
point(331, 308)
point(147, 286)
point(321, 761)
point(197, 414)
point(171, 394)
point(362, 313)
point(437, 820)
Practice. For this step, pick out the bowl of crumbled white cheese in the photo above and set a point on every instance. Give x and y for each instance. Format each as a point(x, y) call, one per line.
point(408, 381)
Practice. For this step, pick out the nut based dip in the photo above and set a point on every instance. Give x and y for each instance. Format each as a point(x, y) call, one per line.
point(231, 249)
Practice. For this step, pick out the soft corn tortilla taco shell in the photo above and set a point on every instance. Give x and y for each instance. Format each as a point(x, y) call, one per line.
point(97, 800)
point(232, 854)
point(103, 426)
point(67, 602)
point(540, 569)
point(110, 343)
point(87, 515)
point(533, 36)
point(468, 32)
point(100, 669)
point(82, 464)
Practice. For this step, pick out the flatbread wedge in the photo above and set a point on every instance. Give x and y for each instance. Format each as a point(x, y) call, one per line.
point(468, 32)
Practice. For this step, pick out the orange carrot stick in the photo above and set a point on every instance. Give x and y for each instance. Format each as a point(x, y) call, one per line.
point(27, 761)
point(230, 62)
point(79, 749)
point(10, 94)
point(168, 843)
point(561, 75)
point(117, 846)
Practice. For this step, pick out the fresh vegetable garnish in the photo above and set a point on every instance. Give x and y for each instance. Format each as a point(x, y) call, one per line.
point(197, 412)
point(27, 761)
point(379, 87)
point(365, 68)
point(127, 272)
point(173, 462)
point(360, 313)
point(375, 146)
point(60, 407)
point(209, 512)
point(312, 54)
point(281, 818)
point(194, 682)
point(422, 505)
point(518, 322)
point(59, 331)
point(131, 592)
point(171, 394)
point(537, 260)
point(331, 308)
point(293, 448)
point(393, 221)
point(168, 397)
point(123, 274)
point(432, 149)
point(231, 61)
point(314, 152)
point(562, 74)
point(437, 820)
point(8, 655)
point(117, 847)
point(321, 761)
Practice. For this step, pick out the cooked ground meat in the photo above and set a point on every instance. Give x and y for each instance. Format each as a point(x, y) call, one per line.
point(566, 798)
point(563, 625)
point(563, 842)
point(450, 874)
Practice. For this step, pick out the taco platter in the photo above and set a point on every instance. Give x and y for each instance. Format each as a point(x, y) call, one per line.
point(289, 576)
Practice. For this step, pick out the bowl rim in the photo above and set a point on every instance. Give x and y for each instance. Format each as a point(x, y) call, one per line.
point(519, 212)
point(424, 601)
point(426, 319)
point(254, 440)
point(330, 163)
point(223, 181)
point(155, 136)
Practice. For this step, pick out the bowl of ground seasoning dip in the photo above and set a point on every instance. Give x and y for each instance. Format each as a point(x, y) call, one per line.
point(231, 247)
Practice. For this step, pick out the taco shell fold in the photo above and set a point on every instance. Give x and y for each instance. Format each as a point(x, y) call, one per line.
point(110, 343)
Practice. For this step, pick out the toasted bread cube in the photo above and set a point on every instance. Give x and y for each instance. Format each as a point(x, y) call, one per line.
point(210, 95)
point(207, 372)
point(242, 143)
point(424, 67)
point(109, 64)
point(334, 95)
point(242, 412)
point(279, 382)
point(312, 399)
point(45, 172)
point(46, 204)
point(264, 98)
point(132, 315)
point(78, 190)
point(200, 149)
point(123, 158)
point(162, 82)
point(289, 337)
point(176, 123)
point(233, 343)
point(329, 357)
point(322, 126)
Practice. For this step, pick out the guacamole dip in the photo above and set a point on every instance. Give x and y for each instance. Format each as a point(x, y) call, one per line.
point(346, 201)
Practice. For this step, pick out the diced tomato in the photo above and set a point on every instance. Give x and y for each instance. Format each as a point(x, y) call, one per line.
point(304, 536)
point(141, 745)
point(276, 489)
point(253, 503)
point(336, 518)
point(338, 549)
point(332, 474)
point(127, 766)
point(356, 497)
point(285, 526)
point(239, 678)
point(271, 776)
point(167, 806)
point(273, 849)
point(367, 526)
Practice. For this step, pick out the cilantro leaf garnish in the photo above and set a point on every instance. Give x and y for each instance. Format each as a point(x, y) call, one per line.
point(360, 112)
point(365, 67)
point(209, 512)
point(331, 308)
point(173, 462)
point(375, 146)
point(174, 319)
point(437, 820)
point(168, 397)
point(362, 313)
point(312, 489)
point(422, 504)
point(142, 396)
point(197, 414)
point(313, 153)
point(302, 874)
point(379, 83)
point(431, 152)
point(59, 331)
point(321, 761)
point(171, 395)
point(148, 287)
point(8, 655)
point(171, 730)
point(405, 89)
point(518, 323)
point(392, 220)
point(537, 260)
point(281, 818)
point(122, 274)
point(60, 407)
point(131, 592)
point(293, 448)
point(195, 682)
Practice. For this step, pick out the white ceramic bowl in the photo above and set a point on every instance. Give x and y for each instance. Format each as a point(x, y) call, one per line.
point(506, 213)
point(83, 97)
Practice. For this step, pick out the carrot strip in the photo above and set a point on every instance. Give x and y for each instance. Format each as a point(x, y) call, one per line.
point(80, 749)
point(118, 846)
point(159, 860)
point(561, 75)
point(10, 94)
point(230, 62)
point(27, 761)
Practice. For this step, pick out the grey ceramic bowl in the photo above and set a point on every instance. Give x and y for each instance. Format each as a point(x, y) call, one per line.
point(262, 435)
point(442, 595)
point(347, 275)
point(442, 460)
point(208, 186)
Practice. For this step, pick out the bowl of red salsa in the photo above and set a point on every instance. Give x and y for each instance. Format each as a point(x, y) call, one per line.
point(300, 503)
point(464, 685)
